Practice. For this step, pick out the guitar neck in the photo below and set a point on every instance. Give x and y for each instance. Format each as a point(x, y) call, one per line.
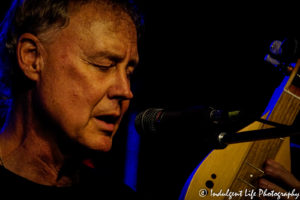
point(284, 112)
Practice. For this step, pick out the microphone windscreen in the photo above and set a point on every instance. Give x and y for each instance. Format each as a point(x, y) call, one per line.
point(145, 121)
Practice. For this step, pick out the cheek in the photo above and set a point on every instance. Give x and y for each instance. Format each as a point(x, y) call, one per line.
point(68, 96)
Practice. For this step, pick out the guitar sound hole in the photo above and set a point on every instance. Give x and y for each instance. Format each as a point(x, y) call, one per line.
point(209, 184)
point(213, 176)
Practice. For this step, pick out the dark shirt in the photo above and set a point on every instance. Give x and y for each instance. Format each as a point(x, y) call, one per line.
point(91, 186)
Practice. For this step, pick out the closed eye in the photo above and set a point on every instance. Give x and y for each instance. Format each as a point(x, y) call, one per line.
point(104, 67)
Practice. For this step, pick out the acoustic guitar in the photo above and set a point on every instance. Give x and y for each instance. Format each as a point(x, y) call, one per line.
point(237, 168)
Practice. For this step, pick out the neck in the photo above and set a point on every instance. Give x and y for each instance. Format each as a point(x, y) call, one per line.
point(29, 148)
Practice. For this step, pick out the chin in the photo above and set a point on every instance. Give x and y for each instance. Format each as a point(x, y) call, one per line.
point(104, 144)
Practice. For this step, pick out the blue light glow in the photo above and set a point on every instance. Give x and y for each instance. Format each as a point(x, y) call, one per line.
point(188, 181)
point(132, 153)
point(275, 96)
point(293, 145)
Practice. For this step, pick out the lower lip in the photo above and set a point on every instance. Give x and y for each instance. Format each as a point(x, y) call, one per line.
point(105, 126)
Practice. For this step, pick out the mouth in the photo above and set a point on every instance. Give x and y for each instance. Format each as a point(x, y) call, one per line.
point(110, 119)
point(107, 122)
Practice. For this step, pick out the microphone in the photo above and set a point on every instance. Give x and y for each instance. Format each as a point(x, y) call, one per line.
point(155, 121)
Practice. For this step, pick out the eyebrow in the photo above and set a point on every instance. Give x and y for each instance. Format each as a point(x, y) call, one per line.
point(114, 57)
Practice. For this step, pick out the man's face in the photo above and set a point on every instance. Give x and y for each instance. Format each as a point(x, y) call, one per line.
point(84, 85)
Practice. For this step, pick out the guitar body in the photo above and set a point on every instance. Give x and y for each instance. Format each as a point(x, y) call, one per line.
point(224, 164)
point(238, 166)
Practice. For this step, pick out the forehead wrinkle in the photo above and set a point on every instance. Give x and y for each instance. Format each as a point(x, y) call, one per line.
point(114, 23)
point(87, 21)
point(104, 12)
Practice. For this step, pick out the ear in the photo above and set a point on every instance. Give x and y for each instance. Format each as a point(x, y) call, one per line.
point(29, 55)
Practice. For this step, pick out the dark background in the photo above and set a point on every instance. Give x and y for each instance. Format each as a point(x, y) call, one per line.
point(209, 54)
point(204, 54)
point(196, 53)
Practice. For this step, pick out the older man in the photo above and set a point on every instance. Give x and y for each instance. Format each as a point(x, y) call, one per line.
point(67, 67)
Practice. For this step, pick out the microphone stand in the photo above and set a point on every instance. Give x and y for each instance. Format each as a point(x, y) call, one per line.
point(280, 131)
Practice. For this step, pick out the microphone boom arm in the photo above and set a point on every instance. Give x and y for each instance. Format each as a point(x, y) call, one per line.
point(247, 136)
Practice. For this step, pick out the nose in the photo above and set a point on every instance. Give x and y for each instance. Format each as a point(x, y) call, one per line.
point(120, 87)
